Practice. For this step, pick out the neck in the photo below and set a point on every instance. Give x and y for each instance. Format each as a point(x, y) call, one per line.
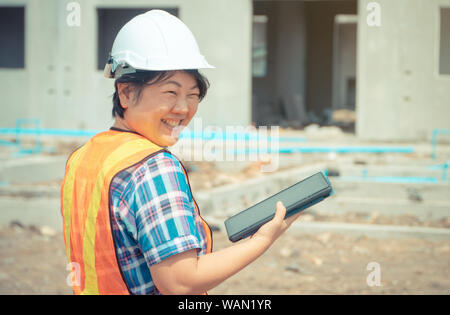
point(122, 124)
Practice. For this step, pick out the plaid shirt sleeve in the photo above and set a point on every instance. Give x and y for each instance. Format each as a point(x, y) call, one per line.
point(164, 210)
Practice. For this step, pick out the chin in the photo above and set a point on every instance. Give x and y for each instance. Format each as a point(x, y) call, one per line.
point(167, 142)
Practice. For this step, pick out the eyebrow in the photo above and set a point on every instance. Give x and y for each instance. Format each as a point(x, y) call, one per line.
point(179, 85)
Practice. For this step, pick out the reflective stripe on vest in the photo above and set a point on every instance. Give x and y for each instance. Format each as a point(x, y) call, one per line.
point(85, 207)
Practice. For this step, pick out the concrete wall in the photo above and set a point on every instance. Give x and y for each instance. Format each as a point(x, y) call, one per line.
point(61, 85)
point(400, 93)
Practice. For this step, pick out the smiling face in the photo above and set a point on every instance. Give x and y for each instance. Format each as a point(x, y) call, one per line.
point(162, 108)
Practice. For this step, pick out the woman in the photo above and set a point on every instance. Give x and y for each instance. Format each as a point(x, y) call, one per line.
point(131, 224)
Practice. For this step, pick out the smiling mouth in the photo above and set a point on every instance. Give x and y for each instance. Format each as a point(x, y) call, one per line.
point(174, 126)
point(171, 122)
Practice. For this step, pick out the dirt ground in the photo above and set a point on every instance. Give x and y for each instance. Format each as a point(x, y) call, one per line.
point(34, 262)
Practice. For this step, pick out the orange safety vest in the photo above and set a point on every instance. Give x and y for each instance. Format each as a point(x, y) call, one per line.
point(85, 207)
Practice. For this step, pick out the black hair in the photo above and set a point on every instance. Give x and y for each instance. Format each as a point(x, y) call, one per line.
point(140, 79)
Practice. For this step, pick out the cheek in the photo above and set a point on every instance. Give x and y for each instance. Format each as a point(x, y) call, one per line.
point(154, 109)
point(190, 115)
point(193, 109)
point(144, 119)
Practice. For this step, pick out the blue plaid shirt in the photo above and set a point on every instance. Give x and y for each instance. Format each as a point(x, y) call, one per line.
point(154, 218)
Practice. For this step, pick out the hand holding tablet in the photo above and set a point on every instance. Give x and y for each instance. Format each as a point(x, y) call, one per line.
point(295, 198)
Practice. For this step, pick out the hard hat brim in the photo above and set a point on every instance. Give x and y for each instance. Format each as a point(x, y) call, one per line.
point(127, 62)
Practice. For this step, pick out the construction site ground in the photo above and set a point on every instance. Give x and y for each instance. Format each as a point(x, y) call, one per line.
point(328, 263)
point(337, 258)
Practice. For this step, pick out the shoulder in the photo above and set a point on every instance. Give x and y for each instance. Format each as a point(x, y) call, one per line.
point(147, 170)
point(163, 161)
point(163, 164)
point(160, 174)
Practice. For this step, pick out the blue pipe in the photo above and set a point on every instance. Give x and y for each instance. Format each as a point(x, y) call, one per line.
point(183, 135)
point(52, 132)
point(439, 167)
point(392, 179)
point(236, 136)
point(329, 150)
point(90, 133)
point(7, 143)
point(434, 140)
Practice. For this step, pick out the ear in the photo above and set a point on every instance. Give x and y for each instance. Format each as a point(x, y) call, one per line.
point(125, 94)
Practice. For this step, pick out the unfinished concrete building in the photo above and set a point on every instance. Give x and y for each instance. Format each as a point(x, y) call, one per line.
point(288, 63)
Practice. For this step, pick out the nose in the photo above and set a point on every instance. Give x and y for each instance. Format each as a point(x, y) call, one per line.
point(181, 107)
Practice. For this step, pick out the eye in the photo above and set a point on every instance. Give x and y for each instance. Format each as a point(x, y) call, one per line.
point(171, 92)
point(194, 95)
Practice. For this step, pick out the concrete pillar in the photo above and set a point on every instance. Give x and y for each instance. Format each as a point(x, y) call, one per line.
point(400, 93)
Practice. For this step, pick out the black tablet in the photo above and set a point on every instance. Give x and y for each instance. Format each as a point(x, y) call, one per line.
point(295, 198)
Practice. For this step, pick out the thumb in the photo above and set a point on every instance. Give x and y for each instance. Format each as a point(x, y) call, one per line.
point(280, 212)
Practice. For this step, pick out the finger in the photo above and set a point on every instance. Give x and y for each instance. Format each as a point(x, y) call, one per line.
point(292, 218)
point(280, 212)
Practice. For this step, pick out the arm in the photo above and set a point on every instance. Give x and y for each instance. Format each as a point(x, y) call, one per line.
point(185, 273)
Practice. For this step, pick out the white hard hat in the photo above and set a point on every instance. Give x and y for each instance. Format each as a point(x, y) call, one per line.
point(155, 40)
